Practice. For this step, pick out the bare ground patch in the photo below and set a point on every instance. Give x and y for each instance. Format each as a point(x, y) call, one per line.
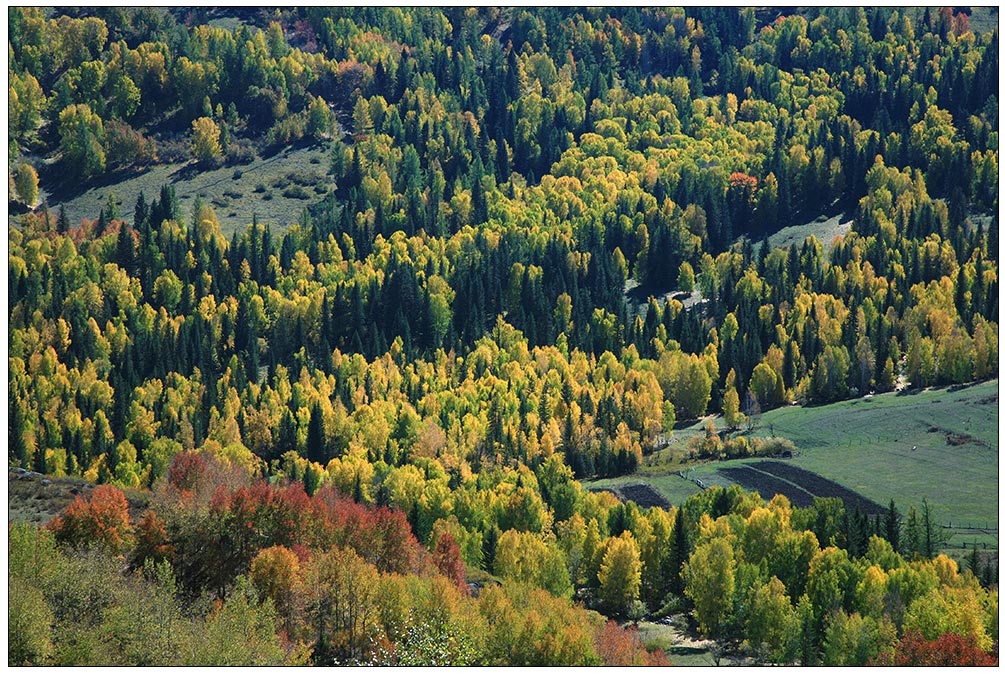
point(643, 495)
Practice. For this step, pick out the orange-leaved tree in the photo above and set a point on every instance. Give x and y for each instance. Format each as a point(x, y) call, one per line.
point(623, 647)
point(275, 573)
point(101, 521)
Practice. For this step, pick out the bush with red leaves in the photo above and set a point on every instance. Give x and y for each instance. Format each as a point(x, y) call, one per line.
point(949, 650)
point(620, 647)
point(216, 526)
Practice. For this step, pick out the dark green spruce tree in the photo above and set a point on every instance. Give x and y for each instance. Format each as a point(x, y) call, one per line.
point(316, 450)
point(680, 552)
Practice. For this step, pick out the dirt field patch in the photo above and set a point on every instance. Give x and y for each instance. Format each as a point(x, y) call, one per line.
point(643, 495)
point(768, 485)
point(819, 486)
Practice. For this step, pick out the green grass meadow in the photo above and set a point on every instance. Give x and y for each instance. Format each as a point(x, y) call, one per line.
point(938, 444)
point(895, 446)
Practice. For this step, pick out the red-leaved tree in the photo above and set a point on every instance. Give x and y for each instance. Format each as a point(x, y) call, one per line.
point(949, 650)
point(186, 471)
point(152, 540)
point(447, 557)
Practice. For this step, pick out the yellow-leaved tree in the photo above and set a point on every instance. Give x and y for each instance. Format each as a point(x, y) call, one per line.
point(26, 184)
point(620, 573)
point(206, 140)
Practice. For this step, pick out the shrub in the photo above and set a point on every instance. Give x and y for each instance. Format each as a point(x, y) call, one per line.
point(174, 151)
point(240, 152)
point(774, 447)
point(621, 647)
point(296, 192)
point(128, 147)
point(304, 179)
point(186, 471)
point(735, 448)
point(286, 131)
point(28, 624)
point(152, 541)
point(949, 650)
point(447, 557)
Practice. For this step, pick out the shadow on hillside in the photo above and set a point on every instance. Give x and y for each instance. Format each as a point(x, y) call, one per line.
point(188, 171)
point(62, 187)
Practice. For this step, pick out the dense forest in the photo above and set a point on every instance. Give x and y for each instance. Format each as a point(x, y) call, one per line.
point(359, 433)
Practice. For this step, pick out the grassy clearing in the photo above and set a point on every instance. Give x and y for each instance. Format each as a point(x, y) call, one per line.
point(983, 19)
point(680, 650)
point(688, 650)
point(275, 189)
point(38, 499)
point(941, 444)
point(823, 228)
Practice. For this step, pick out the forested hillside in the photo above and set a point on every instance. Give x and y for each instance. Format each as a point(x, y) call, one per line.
point(399, 386)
